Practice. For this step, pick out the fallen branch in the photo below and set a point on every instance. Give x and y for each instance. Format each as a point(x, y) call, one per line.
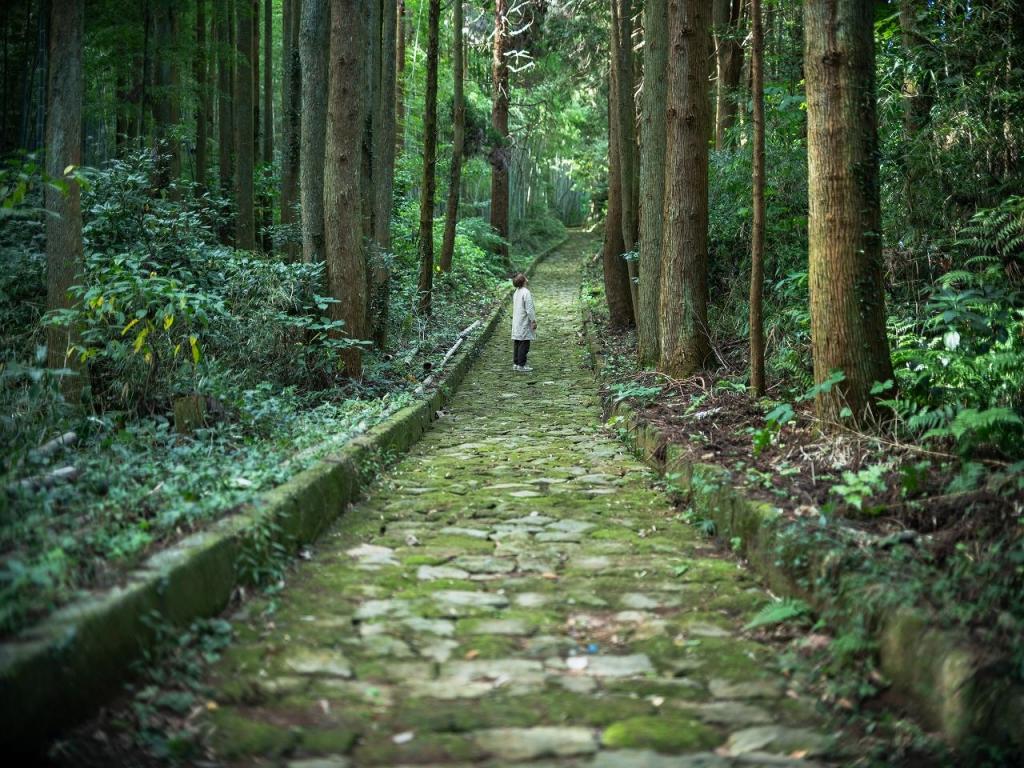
point(51, 447)
point(448, 356)
point(39, 482)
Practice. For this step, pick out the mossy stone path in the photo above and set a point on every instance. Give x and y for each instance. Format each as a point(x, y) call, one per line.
point(514, 591)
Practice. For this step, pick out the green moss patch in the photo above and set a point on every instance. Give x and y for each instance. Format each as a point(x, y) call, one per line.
point(662, 734)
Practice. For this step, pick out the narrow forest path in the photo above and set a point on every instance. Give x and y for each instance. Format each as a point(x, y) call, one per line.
point(514, 590)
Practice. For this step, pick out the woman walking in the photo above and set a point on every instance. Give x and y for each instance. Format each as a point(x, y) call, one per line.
point(524, 323)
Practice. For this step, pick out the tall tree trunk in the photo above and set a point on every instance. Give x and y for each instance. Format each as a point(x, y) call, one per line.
point(916, 107)
point(729, 65)
point(168, 112)
point(43, 42)
point(685, 346)
point(203, 100)
point(384, 170)
point(291, 79)
point(313, 43)
point(225, 108)
point(254, 53)
point(426, 236)
point(64, 149)
point(652, 177)
point(401, 30)
point(262, 206)
point(616, 274)
point(245, 223)
point(451, 216)
point(371, 93)
point(499, 121)
point(268, 82)
point(757, 384)
point(346, 264)
point(624, 111)
point(844, 226)
point(147, 73)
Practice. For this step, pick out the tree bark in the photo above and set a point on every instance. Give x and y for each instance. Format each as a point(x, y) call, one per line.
point(426, 234)
point(345, 261)
point(313, 42)
point(268, 81)
point(616, 274)
point(499, 121)
point(203, 98)
point(401, 23)
point(64, 150)
point(652, 177)
point(245, 223)
point(625, 113)
point(757, 383)
point(844, 226)
point(383, 171)
point(291, 79)
point(168, 112)
point(729, 65)
point(451, 216)
point(685, 346)
point(225, 107)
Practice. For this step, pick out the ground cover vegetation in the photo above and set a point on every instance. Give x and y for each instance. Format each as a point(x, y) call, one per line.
point(887, 347)
point(200, 348)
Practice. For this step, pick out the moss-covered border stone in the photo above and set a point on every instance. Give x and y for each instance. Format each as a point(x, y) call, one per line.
point(58, 671)
point(952, 684)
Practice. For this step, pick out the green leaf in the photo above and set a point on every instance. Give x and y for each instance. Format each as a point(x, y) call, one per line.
point(779, 613)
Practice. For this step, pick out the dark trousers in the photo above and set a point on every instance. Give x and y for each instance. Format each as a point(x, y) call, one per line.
point(520, 349)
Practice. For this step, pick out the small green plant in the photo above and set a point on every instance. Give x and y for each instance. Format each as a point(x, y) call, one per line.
point(263, 556)
point(780, 612)
point(636, 392)
point(775, 420)
point(858, 487)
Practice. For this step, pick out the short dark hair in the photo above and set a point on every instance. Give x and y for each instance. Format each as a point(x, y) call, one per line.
point(519, 280)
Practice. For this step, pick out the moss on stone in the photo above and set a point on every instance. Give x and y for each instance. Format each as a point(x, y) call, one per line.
point(235, 735)
point(424, 748)
point(335, 741)
point(662, 733)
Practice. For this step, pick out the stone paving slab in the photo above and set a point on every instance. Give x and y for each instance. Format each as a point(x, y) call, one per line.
point(513, 592)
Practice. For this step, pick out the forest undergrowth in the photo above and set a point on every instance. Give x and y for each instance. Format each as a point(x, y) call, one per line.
point(929, 500)
point(167, 311)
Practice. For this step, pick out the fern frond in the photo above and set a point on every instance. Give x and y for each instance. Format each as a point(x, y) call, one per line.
point(779, 613)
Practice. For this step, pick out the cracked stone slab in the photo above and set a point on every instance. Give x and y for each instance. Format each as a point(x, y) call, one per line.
point(598, 665)
point(777, 739)
point(572, 526)
point(435, 572)
point(499, 627)
point(320, 762)
point(642, 758)
point(375, 609)
point(458, 603)
point(307, 661)
point(533, 743)
point(473, 533)
point(484, 564)
point(746, 689)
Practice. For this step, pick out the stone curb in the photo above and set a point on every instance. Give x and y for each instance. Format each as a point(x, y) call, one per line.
point(953, 685)
point(56, 672)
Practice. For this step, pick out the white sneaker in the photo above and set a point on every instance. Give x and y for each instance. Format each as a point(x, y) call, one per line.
point(516, 367)
point(525, 368)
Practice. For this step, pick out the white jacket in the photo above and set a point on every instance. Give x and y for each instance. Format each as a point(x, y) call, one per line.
point(523, 315)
